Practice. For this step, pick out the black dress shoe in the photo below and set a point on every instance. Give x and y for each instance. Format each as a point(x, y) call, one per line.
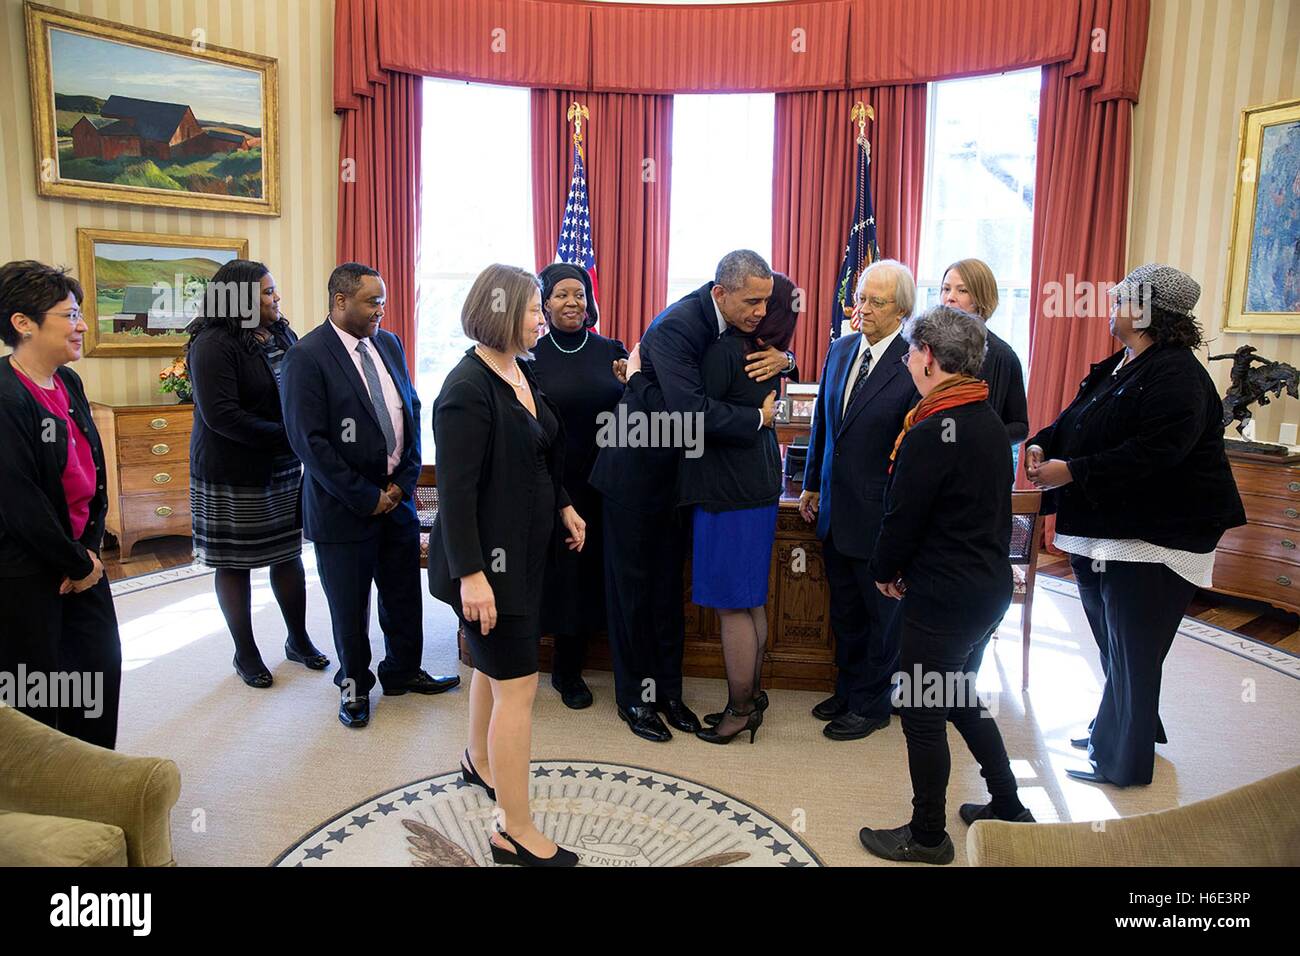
point(574, 691)
point(760, 701)
point(645, 722)
point(422, 683)
point(753, 720)
point(898, 845)
point(1089, 776)
point(679, 715)
point(355, 711)
point(970, 812)
point(471, 775)
point(259, 679)
point(850, 726)
point(312, 659)
point(1080, 742)
point(830, 708)
point(522, 857)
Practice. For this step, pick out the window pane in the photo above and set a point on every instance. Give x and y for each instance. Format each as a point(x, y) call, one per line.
point(476, 208)
point(979, 192)
point(722, 183)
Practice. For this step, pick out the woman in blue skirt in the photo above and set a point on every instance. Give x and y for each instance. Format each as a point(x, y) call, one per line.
point(734, 490)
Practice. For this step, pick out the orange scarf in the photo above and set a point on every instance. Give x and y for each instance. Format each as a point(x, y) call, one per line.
point(958, 390)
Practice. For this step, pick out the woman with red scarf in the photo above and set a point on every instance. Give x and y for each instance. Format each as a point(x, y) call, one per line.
point(943, 551)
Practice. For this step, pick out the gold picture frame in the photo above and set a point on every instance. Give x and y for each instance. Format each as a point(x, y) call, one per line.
point(1263, 292)
point(115, 132)
point(153, 291)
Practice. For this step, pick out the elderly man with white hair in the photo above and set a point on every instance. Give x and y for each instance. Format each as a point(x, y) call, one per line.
point(865, 394)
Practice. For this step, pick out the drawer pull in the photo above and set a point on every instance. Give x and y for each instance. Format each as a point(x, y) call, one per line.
point(164, 477)
point(158, 424)
point(1291, 513)
point(1283, 580)
point(1288, 544)
point(163, 511)
point(161, 448)
point(1293, 486)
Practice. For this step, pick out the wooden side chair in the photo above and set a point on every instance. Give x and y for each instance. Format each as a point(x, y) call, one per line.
point(426, 506)
point(1026, 533)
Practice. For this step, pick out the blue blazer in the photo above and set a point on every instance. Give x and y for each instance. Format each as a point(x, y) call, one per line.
point(332, 427)
point(848, 456)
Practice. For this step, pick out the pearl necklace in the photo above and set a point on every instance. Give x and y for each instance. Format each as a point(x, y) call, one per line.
point(585, 334)
point(496, 368)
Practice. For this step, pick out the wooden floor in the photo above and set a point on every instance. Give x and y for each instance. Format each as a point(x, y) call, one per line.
point(1255, 620)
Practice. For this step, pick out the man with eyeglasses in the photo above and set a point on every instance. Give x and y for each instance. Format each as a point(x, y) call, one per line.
point(865, 394)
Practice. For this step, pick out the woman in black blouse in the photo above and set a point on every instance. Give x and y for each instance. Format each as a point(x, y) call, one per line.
point(578, 370)
point(244, 478)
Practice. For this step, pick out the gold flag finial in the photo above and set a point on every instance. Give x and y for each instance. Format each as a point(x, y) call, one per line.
point(578, 113)
point(860, 114)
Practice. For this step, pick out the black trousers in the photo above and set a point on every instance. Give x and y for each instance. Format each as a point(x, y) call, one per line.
point(947, 658)
point(570, 655)
point(865, 624)
point(391, 561)
point(1134, 609)
point(72, 642)
point(644, 555)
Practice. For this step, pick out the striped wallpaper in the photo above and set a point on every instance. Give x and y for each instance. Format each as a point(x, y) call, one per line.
point(1207, 60)
point(298, 246)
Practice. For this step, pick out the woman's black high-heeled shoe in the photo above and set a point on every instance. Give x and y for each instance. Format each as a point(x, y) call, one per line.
point(470, 775)
point(522, 857)
point(260, 680)
point(711, 735)
point(315, 661)
point(760, 701)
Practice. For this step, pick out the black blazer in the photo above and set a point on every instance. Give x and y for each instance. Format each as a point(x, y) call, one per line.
point(672, 349)
point(238, 422)
point(1146, 455)
point(483, 444)
point(332, 427)
point(1006, 381)
point(35, 532)
point(848, 457)
point(947, 525)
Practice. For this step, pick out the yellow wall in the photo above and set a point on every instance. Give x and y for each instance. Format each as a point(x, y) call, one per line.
point(1207, 60)
point(298, 246)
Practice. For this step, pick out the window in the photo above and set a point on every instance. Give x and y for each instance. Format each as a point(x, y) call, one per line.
point(722, 183)
point(979, 191)
point(476, 208)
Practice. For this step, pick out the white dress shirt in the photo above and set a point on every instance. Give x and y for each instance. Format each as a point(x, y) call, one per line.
point(722, 327)
point(392, 398)
point(877, 353)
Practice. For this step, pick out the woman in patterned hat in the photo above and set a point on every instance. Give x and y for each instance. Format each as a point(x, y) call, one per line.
point(579, 370)
point(244, 478)
point(1142, 491)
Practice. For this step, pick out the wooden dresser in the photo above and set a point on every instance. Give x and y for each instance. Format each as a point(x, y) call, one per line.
point(147, 457)
point(1261, 560)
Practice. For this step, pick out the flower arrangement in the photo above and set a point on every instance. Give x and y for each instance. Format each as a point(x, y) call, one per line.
point(176, 378)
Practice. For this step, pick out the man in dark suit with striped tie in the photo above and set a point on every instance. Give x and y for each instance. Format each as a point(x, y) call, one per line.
point(865, 394)
point(352, 416)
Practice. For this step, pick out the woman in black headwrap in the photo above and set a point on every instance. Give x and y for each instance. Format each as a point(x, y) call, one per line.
point(578, 369)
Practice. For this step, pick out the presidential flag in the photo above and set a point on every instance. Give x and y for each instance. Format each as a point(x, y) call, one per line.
point(861, 249)
point(574, 246)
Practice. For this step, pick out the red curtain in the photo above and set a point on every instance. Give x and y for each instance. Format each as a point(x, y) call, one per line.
point(813, 193)
point(629, 197)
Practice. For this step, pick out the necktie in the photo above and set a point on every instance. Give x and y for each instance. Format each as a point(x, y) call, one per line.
point(376, 390)
point(863, 368)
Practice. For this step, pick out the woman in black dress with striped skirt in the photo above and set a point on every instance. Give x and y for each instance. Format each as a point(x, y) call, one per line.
point(576, 369)
point(245, 481)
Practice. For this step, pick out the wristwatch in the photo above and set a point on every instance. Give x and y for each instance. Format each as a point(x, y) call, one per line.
point(789, 362)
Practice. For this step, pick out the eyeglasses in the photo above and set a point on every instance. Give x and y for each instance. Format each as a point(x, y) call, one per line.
point(875, 303)
point(75, 316)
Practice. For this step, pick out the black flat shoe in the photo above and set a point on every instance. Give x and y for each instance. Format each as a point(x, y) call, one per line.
point(313, 659)
point(832, 707)
point(470, 775)
point(574, 692)
point(522, 857)
point(1090, 776)
point(422, 683)
point(897, 844)
point(1080, 743)
point(760, 701)
point(354, 712)
point(853, 727)
point(260, 679)
point(754, 721)
point(679, 716)
point(970, 812)
point(645, 723)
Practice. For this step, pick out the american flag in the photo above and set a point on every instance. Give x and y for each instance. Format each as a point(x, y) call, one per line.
point(574, 246)
point(861, 249)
